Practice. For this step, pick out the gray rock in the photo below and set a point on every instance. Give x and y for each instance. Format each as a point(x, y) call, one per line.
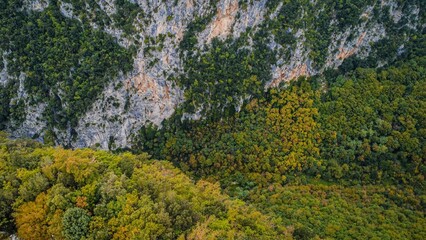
point(36, 5)
point(66, 9)
point(4, 76)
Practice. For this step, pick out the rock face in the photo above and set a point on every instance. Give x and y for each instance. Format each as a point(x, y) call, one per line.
point(222, 23)
point(147, 96)
point(67, 10)
point(144, 96)
point(3, 73)
point(354, 40)
point(36, 5)
point(230, 20)
point(299, 64)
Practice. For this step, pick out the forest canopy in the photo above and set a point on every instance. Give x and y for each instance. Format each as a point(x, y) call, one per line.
point(86, 194)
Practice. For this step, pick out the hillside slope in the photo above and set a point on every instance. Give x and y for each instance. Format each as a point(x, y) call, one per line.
point(91, 73)
point(52, 193)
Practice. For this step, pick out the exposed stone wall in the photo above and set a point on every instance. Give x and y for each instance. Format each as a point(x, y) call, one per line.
point(145, 95)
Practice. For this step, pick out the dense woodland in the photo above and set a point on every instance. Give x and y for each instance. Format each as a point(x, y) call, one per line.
point(341, 155)
point(366, 126)
point(85, 194)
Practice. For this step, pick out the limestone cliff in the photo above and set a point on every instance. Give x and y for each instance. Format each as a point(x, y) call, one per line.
point(147, 95)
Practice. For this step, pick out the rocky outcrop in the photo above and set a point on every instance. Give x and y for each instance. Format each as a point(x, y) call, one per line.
point(299, 64)
point(34, 124)
point(250, 16)
point(343, 45)
point(36, 5)
point(354, 40)
point(222, 23)
point(147, 96)
point(108, 6)
point(3, 73)
point(126, 105)
point(345, 53)
point(67, 10)
point(231, 20)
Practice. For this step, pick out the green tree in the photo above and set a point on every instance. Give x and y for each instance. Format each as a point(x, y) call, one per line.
point(75, 223)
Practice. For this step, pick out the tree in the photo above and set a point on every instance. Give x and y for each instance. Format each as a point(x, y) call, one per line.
point(75, 223)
